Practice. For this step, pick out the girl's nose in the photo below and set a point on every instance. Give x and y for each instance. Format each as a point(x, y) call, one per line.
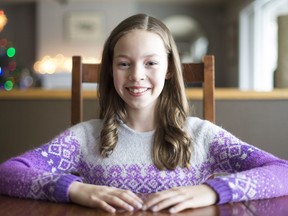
point(137, 73)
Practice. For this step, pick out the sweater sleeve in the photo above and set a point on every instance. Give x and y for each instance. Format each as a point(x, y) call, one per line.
point(43, 173)
point(250, 173)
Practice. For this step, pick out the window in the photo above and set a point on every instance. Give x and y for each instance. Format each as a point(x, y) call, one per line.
point(258, 44)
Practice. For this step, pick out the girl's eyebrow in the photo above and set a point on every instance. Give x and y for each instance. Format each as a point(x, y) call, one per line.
point(145, 56)
point(121, 56)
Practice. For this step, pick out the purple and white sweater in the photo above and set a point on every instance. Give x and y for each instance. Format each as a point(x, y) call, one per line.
point(47, 172)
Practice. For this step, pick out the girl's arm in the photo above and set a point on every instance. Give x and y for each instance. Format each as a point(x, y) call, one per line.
point(250, 174)
point(254, 173)
point(45, 172)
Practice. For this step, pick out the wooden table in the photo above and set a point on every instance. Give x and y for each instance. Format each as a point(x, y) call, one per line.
point(14, 207)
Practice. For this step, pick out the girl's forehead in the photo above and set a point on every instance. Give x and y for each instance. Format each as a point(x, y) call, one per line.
point(139, 45)
point(140, 38)
point(141, 34)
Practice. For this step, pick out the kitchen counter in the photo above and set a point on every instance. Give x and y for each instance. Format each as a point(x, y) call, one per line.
point(195, 93)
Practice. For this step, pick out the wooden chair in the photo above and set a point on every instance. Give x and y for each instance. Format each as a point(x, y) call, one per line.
point(202, 72)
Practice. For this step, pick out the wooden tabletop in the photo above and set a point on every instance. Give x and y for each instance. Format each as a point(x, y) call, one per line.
point(14, 207)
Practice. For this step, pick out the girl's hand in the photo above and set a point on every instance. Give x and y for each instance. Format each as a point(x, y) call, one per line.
point(104, 197)
point(181, 198)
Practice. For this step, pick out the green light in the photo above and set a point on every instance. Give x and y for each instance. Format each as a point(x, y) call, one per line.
point(11, 52)
point(8, 85)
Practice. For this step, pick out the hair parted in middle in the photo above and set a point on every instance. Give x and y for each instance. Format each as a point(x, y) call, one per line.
point(172, 144)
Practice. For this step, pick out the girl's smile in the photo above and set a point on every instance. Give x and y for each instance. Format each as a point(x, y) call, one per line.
point(137, 91)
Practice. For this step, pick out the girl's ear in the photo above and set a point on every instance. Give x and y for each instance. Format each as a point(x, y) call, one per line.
point(168, 75)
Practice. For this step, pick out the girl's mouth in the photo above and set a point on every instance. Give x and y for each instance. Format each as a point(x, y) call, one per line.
point(137, 90)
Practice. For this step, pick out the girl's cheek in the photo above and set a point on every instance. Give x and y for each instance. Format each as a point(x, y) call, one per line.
point(117, 83)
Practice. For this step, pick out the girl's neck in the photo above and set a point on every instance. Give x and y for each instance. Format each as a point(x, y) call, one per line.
point(141, 121)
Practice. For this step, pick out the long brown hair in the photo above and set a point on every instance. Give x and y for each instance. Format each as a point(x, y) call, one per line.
point(171, 147)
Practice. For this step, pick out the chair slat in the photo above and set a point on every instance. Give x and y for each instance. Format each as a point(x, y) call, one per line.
point(193, 72)
point(90, 73)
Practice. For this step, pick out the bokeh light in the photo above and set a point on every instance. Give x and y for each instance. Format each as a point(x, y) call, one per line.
point(12, 66)
point(3, 42)
point(11, 52)
point(8, 85)
point(3, 20)
point(1, 72)
point(58, 64)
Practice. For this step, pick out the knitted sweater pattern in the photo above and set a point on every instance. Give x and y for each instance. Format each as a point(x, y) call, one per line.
point(246, 172)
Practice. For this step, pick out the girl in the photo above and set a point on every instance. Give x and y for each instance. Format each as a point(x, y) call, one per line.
point(144, 143)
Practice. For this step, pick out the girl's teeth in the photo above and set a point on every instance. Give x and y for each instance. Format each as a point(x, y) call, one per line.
point(137, 90)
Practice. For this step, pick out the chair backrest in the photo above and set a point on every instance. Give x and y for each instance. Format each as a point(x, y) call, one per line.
point(202, 72)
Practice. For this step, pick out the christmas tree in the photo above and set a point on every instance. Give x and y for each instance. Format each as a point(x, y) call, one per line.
point(9, 72)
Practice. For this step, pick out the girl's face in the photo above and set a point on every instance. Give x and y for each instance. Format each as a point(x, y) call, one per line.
point(140, 65)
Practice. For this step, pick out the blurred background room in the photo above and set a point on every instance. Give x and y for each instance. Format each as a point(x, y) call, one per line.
point(249, 39)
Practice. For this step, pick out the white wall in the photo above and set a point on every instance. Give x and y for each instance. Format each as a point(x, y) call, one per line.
point(51, 30)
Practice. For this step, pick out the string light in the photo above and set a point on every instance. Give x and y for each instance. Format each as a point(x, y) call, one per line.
point(58, 64)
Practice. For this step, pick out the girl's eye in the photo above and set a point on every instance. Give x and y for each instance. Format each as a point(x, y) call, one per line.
point(123, 64)
point(151, 63)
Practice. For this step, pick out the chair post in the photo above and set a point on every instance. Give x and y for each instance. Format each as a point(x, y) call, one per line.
point(76, 91)
point(208, 88)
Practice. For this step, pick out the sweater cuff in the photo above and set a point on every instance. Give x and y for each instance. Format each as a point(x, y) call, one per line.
point(222, 189)
point(61, 193)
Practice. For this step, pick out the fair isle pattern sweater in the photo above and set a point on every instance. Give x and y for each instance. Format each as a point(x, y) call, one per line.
point(47, 172)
